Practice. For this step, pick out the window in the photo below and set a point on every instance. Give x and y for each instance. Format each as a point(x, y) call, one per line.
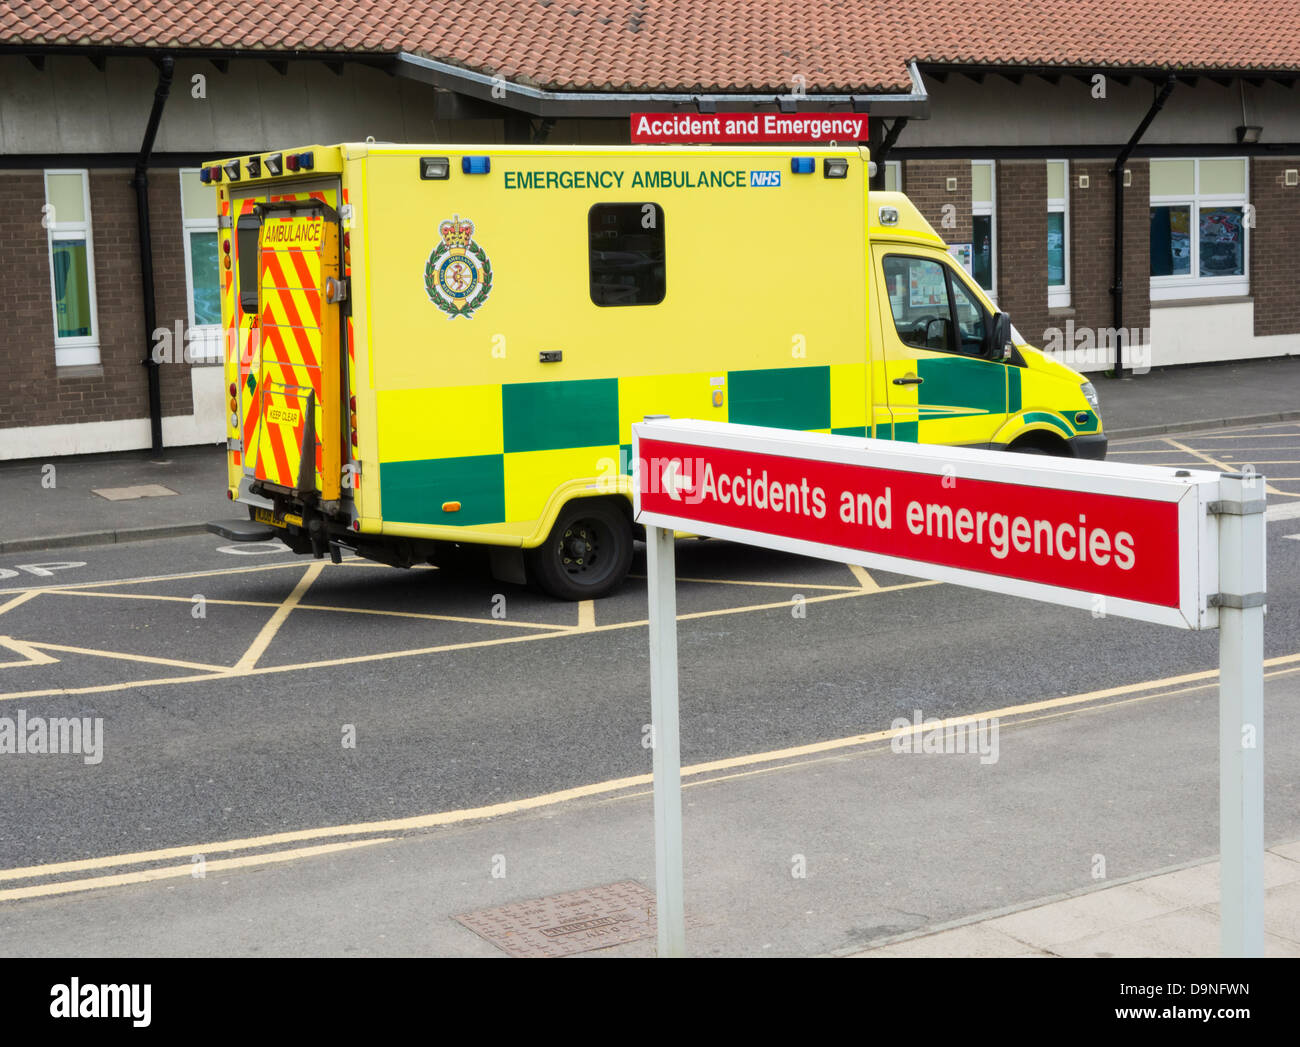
point(932, 308)
point(72, 268)
point(893, 176)
point(1058, 233)
point(984, 266)
point(202, 267)
point(626, 254)
point(1198, 228)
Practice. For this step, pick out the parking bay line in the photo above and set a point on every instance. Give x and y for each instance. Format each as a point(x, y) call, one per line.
point(1282, 665)
point(311, 607)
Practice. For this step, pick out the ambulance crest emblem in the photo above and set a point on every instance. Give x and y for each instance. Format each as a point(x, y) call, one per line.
point(458, 275)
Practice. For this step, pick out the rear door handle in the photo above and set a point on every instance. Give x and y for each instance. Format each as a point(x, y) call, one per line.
point(911, 379)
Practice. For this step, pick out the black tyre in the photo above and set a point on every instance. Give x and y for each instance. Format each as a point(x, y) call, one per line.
point(586, 555)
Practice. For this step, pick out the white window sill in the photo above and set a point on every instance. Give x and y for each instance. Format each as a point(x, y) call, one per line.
point(76, 355)
point(1200, 289)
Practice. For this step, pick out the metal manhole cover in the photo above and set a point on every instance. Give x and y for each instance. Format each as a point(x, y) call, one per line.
point(564, 924)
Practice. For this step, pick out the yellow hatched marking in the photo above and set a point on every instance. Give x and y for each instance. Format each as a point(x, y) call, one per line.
point(25, 651)
point(19, 600)
point(1224, 466)
point(864, 579)
point(263, 639)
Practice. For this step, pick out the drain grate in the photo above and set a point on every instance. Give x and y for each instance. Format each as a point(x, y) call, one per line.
point(564, 924)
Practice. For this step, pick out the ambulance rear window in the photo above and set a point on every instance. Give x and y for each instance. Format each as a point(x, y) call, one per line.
point(246, 255)
point(626, 252)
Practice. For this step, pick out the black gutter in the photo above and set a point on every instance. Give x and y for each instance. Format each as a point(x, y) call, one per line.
point(1117, 177)
point(1090, 152)
point(141, 183)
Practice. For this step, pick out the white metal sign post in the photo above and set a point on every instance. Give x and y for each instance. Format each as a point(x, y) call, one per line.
point(1183, 548)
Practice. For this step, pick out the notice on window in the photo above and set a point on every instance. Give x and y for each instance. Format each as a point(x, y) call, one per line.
point(927, 286)
point(964, 254)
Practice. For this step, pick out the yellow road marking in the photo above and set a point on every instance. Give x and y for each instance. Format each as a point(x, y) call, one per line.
point(18, 600)
point(176, 871)
point(263, 639)
point(154, 578)
point(314, 607)
point(1160, 688)
point(1222, 465)
point(238, 671)
point(123, 656)
point(864, 579)
point(26, 651)
point(586, 616)
point(769, 585)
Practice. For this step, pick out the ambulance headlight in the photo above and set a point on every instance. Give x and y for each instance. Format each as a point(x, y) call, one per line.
point(1089, 394)
point(434, 168)
point(275, 163)
point(835, 168)
point(232, 171)
point(254, 166)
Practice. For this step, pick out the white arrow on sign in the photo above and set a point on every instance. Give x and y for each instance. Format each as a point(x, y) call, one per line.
point(674, 483)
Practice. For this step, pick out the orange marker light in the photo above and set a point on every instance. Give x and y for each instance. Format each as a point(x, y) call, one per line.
point(451, 507)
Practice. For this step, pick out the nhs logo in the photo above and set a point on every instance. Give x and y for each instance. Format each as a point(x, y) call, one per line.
point(763, 179)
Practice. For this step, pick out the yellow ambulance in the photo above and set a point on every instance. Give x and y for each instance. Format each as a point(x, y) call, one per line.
point(432, 346)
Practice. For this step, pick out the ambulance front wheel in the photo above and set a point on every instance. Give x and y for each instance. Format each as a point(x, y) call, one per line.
point(587, 554)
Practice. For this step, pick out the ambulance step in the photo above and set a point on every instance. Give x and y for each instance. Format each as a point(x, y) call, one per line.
point(242, 530)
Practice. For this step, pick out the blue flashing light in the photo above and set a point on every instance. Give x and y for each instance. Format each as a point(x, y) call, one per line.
point(306, 161)
point(802, 165)
point(475, 165)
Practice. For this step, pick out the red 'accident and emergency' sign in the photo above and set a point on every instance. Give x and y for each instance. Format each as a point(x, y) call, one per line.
point(1117, 539)
point(812, 128)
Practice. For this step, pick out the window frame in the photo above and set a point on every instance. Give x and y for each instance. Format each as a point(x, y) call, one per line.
point(204, 345)
point(73, 350)
point(989, 209)
point(1059, 296)
point(894, 167)
point(1194, 285)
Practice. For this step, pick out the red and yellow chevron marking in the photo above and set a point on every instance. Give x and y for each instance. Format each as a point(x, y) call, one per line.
point(297, 369)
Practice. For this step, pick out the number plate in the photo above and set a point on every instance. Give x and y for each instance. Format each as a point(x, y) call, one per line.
point(266, 516)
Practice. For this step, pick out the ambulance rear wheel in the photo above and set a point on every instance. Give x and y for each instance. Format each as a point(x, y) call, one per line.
point(586, 555)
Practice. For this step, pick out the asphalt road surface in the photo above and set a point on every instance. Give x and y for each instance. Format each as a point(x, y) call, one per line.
point(246, 691)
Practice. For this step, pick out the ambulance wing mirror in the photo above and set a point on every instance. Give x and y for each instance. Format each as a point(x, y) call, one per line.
point(999, 345)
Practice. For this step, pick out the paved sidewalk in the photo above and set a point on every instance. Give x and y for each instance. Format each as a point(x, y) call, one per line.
point(71, 513)
point(54, 503)
point(1170, 914)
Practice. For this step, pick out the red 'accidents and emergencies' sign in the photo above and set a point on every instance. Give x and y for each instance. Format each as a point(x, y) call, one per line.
point(1132, 541)
point(813, 128)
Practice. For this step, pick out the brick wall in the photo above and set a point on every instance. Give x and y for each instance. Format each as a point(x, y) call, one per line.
point(1021, 195)
point(925, 183)
point(1272, 247)
point(37, 393)
point(1092, 241)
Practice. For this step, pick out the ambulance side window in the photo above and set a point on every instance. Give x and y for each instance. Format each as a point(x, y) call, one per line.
point(625, 244)
point(246, 253)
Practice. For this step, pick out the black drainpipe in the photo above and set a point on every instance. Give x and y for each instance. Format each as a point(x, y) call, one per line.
point(141, 183)
point(880, 154)
point(1117, 176)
